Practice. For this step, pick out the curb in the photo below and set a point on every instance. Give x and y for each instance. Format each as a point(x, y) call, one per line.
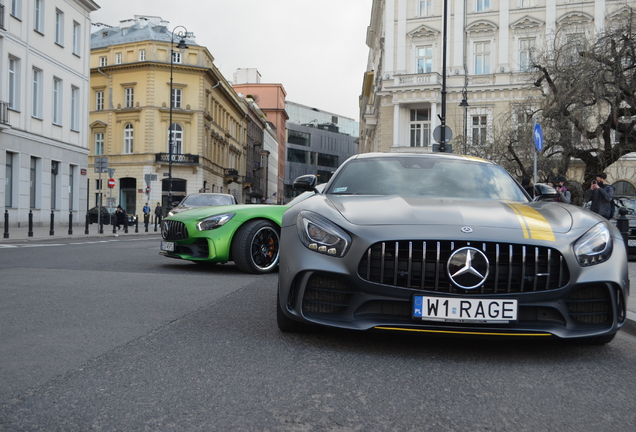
point(630, 323)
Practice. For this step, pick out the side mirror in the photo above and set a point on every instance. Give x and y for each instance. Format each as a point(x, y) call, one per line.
point(306, 183)
point(544, 192)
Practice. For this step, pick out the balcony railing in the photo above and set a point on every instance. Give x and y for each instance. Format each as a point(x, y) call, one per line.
point(417, 79)
point(230, 175)
point(178, 158)
point(4, 113)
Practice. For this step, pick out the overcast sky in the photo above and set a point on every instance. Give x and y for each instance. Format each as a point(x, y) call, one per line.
point(315, 49)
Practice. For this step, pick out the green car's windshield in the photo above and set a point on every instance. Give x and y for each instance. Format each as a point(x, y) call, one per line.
point(427, 176)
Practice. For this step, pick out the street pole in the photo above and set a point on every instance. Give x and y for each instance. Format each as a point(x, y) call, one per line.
point(182, 47)
point(442, 144)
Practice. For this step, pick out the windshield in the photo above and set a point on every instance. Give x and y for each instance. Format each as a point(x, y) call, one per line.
point(206, 200)
point(426, 176)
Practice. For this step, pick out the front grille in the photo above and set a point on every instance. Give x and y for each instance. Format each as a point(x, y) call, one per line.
point(590, 305)
point(173, 230)
point(325, 295)
point(421, 265)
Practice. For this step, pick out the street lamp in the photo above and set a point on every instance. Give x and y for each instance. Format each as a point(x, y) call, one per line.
point(182, 47)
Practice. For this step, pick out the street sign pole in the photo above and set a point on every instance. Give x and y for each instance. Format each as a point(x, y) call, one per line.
point(537, 134)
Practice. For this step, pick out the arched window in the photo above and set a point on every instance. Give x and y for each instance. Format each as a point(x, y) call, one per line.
point(177, 139)
point(128, 138)
point(624, 188)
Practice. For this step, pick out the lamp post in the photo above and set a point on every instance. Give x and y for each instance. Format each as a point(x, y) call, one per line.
point(182, 47)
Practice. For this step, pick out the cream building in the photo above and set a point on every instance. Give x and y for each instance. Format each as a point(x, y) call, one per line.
point(44, 90)
point(488, 44)
point(131, 72)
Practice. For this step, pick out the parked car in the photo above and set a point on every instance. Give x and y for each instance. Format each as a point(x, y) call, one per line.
point(201, 200)
point(108, 216)
point(446, 244)
point(247, 234)
point(629, 203)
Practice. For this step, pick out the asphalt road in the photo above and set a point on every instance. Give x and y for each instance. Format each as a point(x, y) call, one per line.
point(109, 336)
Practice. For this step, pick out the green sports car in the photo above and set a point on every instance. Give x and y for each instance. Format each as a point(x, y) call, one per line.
point(247, 234)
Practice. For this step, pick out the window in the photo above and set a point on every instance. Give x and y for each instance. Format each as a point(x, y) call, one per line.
point(54, 172)
point(176, 98)
point(574, 45)
point(479, 129)
point(103, 61)
point(16, 8)
point(176, 57)
point(118, 58)
point(177, 139)
point(75, 108)
point(33, 182)
point(142, 55)
point(424, 59)
point(8, 183)
point(425, 7)
point(59, 27)
point(130, 97)
point(99, 101)
point(420, 128)
point(526, 48)
point(13, 93)
point(299, 138)
point(128, 138)
point(38, 19)
point(36, 99)
point(99, 143)
point(57, 101)
point(482, 5)
point(528, 3)
point(77, 36)
point(482, 58)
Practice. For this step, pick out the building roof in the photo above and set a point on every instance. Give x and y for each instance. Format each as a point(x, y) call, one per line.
point(141, 28)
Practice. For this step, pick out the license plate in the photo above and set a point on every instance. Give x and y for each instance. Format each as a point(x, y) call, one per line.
point(167, 246)
point(451, 309)
point(631, 243)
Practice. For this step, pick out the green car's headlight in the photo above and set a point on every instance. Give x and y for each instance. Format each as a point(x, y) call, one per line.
point(321, 235)
point(212, 222)
point(595, 246)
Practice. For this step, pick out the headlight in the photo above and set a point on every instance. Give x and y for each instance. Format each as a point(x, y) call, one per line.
point(595, 246)
point(215, 221)
point(321, 235)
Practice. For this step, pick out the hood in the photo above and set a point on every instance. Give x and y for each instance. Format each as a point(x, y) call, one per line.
point(398, 210)
point(203, 212)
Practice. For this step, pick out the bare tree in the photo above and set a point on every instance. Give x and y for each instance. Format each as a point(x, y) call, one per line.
point(589, 96)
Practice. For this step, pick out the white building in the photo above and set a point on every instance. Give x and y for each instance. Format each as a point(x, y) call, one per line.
point(44, 93)
point(488, 44)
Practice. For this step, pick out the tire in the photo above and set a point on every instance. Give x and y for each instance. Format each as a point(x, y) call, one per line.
point(288, 325)
point(599, 340)
point(256, 247)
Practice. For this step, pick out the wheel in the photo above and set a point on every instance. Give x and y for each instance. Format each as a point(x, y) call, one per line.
point(256, 247)
point(599, 340)
point(288, 325)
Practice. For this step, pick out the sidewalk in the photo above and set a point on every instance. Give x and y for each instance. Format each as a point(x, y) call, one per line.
point(79, 232)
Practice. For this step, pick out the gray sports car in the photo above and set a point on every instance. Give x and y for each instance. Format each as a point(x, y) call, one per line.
point(447, 244)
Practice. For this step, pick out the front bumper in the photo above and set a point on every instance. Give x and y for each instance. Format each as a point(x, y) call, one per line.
point(330, 291)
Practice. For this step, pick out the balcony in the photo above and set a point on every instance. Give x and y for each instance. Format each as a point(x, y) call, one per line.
point(417, 80)
point(177, 158)
point(230, 175)
point(4, 115)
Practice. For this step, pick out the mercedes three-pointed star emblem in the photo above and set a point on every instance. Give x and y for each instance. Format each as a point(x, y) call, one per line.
point(468, 268)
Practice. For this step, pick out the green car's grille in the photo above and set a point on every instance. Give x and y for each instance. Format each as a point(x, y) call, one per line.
point(173, 230)
point(513, 268)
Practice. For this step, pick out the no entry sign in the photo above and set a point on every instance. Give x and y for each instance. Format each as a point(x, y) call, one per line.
point(111, 183)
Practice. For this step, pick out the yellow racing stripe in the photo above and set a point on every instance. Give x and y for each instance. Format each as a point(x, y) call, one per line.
point(533, 224)
point(463, 332)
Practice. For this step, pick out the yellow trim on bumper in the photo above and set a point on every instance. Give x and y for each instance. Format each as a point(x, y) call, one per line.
point(463, 332)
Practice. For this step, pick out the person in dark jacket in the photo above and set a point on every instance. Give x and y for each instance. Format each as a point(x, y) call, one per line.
point(601, 195)
point(120, 217)
point(526, 183)
point(158, 211)
point(563, 194)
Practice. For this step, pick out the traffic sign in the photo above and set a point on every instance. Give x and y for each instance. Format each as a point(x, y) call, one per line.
point(111, 183)
point(101, 164)
point(148, 189)
point(538, 137)
point(437, 134)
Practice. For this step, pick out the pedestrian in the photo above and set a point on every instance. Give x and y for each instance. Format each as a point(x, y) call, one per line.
point(146, 211)
point(158, 212)
point(601, 196)
point(526, 183)
point(120, 217)
point(563, 194)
